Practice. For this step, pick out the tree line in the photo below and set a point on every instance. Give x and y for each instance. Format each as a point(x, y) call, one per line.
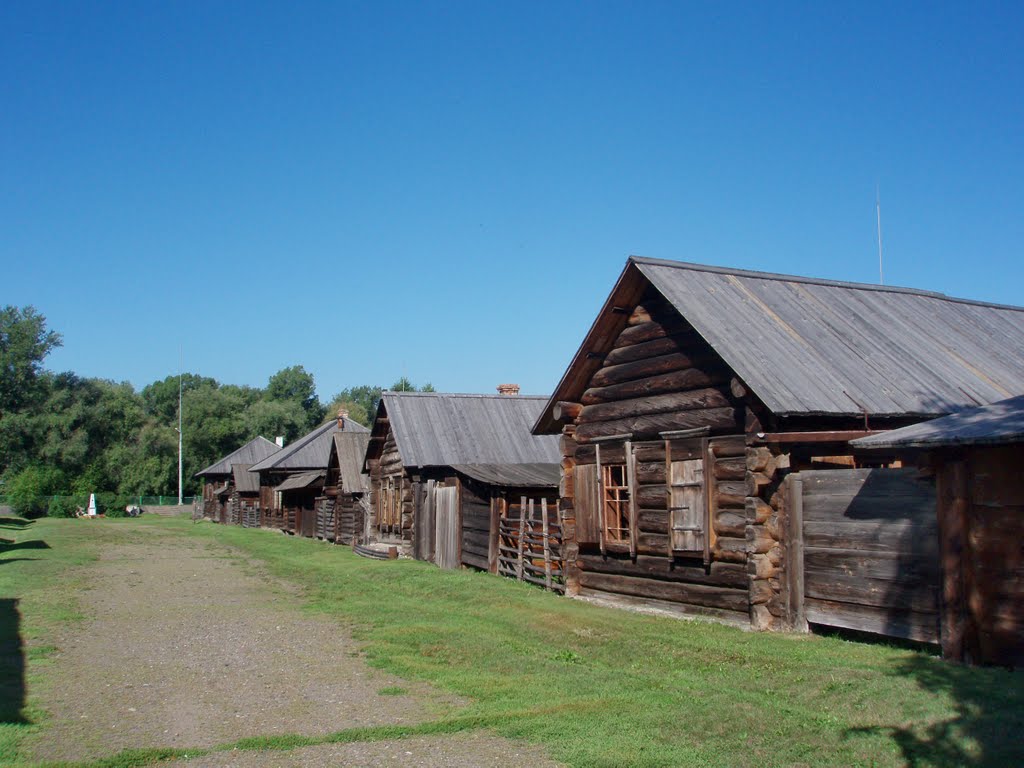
point(66, 435)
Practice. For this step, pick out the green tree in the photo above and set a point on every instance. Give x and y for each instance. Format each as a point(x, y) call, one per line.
point(295, 384)
point(24, 344)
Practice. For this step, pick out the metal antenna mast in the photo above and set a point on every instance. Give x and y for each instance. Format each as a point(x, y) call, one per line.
point(878, 216)
point(180, 436)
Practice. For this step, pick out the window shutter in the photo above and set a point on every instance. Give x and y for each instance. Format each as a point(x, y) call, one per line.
point(586, 503)
point(686, 505)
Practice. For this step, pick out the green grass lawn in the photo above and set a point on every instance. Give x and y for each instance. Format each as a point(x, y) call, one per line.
point(594, 686)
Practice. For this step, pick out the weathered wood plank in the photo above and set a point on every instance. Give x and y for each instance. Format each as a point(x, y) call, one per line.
point(650, 426)
point(674, 591)
point(677, 381)
point(708, 397)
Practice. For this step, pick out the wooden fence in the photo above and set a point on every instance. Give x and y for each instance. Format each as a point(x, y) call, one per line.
point(530, 547)
point(863, 553)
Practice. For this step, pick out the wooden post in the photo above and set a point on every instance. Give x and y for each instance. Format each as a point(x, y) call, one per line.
point(600, 499)
point(668, 493)
point(795, 552)
point(522, 536)
point(547, 542)
point(492, 534)
point(631, 483)
point(710, 499)
point(952, 518)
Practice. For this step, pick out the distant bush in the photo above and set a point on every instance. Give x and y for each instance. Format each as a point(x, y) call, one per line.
point(66, 506)
point(28, 491)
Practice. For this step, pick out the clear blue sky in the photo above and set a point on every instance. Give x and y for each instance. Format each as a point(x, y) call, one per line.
point(449, 190)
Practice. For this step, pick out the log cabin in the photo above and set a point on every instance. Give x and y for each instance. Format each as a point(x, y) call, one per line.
point(292, 479)
point(447, 469)
point(976, 455)
point(339, 511)
point(220, 480)
point(704, 429)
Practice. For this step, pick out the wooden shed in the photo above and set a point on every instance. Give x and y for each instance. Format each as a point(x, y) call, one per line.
point(224, 484)
point(293, 478)
point(339, 511)
point(978, 459)
point(445, 469)
point(705, 425)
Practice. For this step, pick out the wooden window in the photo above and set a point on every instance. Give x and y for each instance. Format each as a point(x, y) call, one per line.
point(686, 504)
point(389, 503)
point(615, 503)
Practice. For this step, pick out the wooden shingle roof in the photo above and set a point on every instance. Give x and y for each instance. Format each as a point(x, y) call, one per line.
point(822, 347)
point(435, 429)
point(255, 450)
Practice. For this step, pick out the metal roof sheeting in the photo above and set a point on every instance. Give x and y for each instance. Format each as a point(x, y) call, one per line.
point(311, 451)
point(350, 448)
point(513, 475)
point(995, 424)
point(434, 429)
point(300, 480)
point(245, 481)
point(809, 346)
point(255, 450)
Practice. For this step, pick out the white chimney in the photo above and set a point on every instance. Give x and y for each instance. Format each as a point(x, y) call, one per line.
point(280, 441)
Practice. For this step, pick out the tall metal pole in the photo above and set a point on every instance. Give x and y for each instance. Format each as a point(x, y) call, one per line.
point(180, 435)
point(878, 212)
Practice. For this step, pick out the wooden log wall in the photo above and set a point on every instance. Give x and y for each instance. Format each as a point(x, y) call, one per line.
point(476, 525)
point(661, 376)
point(349, 518)
point(764, 536)
point(981, 517)
point(390, 465)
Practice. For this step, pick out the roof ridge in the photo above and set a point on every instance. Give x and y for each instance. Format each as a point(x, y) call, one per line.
point(464, 394)
point(813, 281)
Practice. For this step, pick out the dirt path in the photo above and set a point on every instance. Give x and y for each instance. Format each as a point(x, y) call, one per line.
point(186, 645)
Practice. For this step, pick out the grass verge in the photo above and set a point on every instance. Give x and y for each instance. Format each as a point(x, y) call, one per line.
point(600, 687)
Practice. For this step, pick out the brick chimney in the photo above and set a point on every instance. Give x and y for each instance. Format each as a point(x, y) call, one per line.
point(342, 415)
point(508, 389)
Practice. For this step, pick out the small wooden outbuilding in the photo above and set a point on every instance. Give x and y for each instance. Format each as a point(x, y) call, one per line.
point(705, 424)
point(293, 478)
point(339, 511)
point(228, 488)
point(978, 459)
point(446, 469)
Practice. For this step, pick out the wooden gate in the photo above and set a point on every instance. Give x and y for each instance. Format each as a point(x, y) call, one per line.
point(864, 553)
point(446, 513)
point(326, 528)
point(530, 544)
point(250, 513)
point(424, 525)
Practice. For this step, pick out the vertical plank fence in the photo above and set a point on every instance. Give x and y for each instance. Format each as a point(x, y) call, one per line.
point(530, 545)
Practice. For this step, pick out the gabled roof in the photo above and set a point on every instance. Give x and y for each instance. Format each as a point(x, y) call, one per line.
point(245, 481)
point(350, 448)
point(311, 451)
point(433, 429)
point(255, 450)
point(822, 347)
point(301, 480)
point(995, 424)
point(513, 475)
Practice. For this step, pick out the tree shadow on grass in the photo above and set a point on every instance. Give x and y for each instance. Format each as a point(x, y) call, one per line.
point(6, 545)
point(986, 731)
point(15, 523)
point(12, 663)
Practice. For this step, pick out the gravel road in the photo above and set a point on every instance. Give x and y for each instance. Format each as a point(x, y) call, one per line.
point(187, 645)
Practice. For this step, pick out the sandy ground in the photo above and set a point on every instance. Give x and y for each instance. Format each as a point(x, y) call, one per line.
point(187, 645)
